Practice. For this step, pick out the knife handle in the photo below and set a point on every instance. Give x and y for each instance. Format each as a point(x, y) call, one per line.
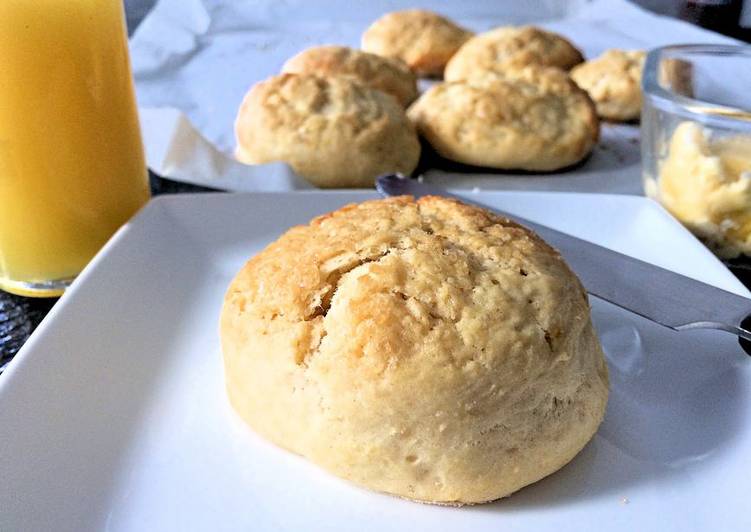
point(745, 342)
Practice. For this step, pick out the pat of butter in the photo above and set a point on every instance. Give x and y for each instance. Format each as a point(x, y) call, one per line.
point(706, 184)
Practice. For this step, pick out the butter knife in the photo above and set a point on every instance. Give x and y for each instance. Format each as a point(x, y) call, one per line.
point(664, 297)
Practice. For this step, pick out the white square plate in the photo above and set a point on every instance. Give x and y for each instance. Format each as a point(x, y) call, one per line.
point(114, 416)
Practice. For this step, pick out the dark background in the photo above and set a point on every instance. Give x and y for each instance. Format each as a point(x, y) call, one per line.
point(19, 316)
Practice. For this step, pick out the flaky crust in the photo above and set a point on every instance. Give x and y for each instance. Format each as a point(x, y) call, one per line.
point(427, 349)
point(613, 81)
point(422, 39)
point(532, 79)
point(519, 46)
point(332, 131)
point(389, 75)
point(532, 118)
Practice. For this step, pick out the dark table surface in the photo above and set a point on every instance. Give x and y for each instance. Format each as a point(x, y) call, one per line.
point(19, 316)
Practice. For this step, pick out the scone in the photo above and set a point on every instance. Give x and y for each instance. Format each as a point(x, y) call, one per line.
point(389, 75)
point(535, 120)
point(613, 80)
point(332, 131)
point(426, 349)
point(519, 46)
point(422, 39)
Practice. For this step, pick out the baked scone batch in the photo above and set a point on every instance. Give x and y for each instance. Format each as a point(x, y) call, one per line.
point(422, 39)
point(613, 80)
point(507, 101)
point(331, 130)
point(533, 119)
point(427, 349)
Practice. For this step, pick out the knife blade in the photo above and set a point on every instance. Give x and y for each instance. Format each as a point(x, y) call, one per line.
point(662, 296)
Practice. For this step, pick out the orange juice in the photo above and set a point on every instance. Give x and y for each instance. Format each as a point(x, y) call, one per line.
point(72, 168)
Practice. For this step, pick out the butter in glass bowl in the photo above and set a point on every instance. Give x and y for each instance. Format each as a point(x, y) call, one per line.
point(696, 141)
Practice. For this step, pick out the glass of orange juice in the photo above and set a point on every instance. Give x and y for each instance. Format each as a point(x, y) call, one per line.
point(72, 167)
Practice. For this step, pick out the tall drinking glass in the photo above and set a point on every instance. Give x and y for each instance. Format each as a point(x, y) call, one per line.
point(72, 167)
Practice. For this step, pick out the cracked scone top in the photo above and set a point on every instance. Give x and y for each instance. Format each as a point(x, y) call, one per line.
point(426, 349)
point(386, 74)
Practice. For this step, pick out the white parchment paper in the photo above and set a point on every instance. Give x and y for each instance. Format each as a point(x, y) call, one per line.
point(194, 60)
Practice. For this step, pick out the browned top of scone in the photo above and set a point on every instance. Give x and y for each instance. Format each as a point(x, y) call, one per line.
point(391, 75)
point(511, 45)
point(298, 275)
point(333, 131)
point(423, 39)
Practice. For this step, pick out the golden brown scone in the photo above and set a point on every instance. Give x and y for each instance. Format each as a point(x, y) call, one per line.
point(427, 349)
point(387, 74)
point(422, 39)
point(532, 118)
point(495, 50)
point(613, 81)
point(332, 131)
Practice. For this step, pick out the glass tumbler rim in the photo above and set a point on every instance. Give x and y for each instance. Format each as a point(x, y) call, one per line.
point(667, 99)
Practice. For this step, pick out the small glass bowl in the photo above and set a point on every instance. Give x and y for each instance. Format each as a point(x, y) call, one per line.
point(696, 140)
